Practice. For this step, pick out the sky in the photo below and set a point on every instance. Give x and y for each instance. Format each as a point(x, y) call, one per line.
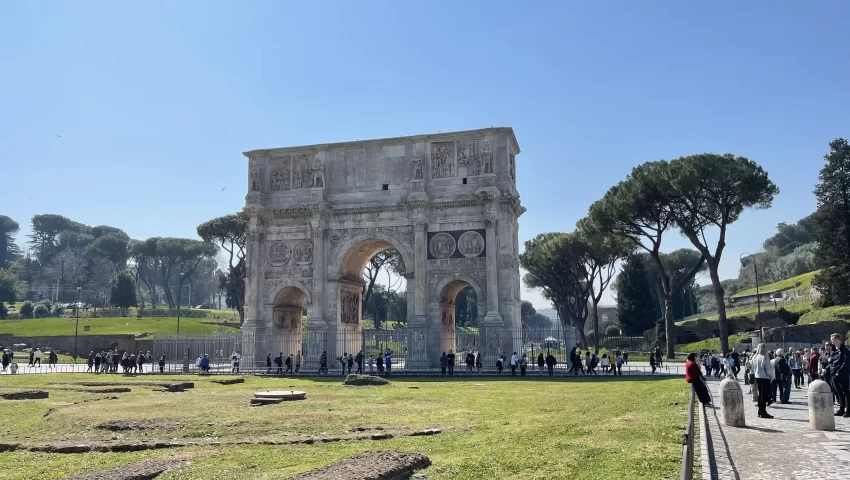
point(135, 114)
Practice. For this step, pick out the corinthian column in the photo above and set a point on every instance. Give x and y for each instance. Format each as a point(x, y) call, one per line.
point(253, 273)
point(420, 247)
point(492, 273)
point(317, 313)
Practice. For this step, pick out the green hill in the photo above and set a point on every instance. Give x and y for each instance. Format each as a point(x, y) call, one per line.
point(804, 280)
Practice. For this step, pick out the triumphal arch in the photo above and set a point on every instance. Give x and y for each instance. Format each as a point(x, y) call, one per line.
point(317, 214)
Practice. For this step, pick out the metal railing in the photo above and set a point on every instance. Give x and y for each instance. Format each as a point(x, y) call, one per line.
point(687, 472)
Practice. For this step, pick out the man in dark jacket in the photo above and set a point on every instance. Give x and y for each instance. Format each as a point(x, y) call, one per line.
point(269, 364)
point(839, 367)
point(278, 361)
point(783, 377)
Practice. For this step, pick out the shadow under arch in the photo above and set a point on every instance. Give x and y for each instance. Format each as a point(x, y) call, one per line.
point(287, 318)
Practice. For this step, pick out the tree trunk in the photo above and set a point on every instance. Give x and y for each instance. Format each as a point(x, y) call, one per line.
point(721, 307)
point(670, 325)
point(596, 332)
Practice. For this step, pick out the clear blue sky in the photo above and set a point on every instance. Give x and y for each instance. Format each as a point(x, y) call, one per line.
point(155, 101)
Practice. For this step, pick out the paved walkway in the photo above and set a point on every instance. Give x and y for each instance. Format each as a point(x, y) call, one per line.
point(784, 447)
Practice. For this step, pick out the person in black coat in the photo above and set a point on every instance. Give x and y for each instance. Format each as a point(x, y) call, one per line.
point(450, 362)
point(839, 366)
point(278, 361)
point(269, 364)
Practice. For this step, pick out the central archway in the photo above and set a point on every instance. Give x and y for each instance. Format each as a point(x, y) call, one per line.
point(351, 289)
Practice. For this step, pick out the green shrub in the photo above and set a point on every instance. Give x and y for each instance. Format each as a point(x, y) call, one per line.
point(58, 310)
point(26, 310)
point(611, 331)
point(47, 304)
point(40, 311)
point(362, 380)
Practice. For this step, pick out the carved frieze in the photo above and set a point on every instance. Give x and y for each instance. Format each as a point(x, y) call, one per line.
point(279, 253)
point(469, 157)
point(280, 173)
point(288, 271)
point(302, 172)
point(457, 264)
point(350, 307)
point(447, 320)
point(302, 254)
point(442, 160)
point(507, 260)
point(442, 245)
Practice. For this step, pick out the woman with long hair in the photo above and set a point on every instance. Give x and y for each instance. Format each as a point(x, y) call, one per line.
point(693, 375)
point(765, 374)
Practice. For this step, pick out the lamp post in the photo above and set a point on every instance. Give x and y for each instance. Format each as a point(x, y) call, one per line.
point(179, 288)
point(758, 296)
point(77, 325)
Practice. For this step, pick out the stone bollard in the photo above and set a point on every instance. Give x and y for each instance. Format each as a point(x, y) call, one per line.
point(820, 406)
point(732, 403)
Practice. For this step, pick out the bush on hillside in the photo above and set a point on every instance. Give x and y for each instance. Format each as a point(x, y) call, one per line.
point(58, 310)
point(40, 311)
point(26, 310)
point(47, 304)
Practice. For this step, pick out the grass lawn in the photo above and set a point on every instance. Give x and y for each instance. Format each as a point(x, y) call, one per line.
point(528, 428)
point(805, 281)
point(838, 312)
point(112, 326)
point(709, 344)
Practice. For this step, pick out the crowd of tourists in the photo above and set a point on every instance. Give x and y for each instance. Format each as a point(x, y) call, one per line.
point(109, 361)
point(772, 374)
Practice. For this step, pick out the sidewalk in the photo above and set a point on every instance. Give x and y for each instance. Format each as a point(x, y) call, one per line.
point(784, 447)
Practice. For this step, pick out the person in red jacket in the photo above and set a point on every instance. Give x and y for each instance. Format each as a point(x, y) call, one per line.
point(814, 362)
point(693, 375)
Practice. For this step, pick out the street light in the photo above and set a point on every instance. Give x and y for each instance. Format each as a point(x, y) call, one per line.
point(77, 326)
point(758, 297)
point(178, 300)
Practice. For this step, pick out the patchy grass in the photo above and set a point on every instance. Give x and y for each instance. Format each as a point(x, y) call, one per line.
point(751, 312)
point(708, 344)
point(616, 427)
point(805, 281)
point(112, 326)
point(828, 314)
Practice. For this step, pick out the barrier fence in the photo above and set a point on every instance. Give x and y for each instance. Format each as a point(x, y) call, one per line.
point(409, 353)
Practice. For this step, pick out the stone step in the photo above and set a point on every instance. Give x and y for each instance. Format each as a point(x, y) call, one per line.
point(265, 401)
point(286, 395)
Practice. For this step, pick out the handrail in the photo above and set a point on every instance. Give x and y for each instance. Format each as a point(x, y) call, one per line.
point(687, 472)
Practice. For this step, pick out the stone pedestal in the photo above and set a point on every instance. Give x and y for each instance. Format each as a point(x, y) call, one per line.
point(732, 403)
point(820, 406)
point(419, 355)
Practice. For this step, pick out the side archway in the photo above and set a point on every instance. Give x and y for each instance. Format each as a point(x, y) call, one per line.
point(448, 289)
point(287, 318)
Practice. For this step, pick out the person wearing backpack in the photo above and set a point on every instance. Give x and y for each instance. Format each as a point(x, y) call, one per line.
point(278, 361)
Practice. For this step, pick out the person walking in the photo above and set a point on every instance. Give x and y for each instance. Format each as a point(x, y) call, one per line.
point(522, 365)
point(796, 365)
point(269, 364)
point(652, 363)
point(278, 363)
point(444, 361)
point(514, 361)
point(359, 360)
point(323, 363)
point(162, 364)
point(388, 361)
point(479, 362)
point(693, 375)
point(540, 363)
point(839, 367)
point(37, 357)
point(450, 362)
point(298, 360)
point(764, 372)
point(470, 362)
point(783, 377)
point(350, 362)
point(288, 363)
point(605, 363)
point(237, 356)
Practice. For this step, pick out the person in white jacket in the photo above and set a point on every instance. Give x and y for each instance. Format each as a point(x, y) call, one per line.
point(764, 373)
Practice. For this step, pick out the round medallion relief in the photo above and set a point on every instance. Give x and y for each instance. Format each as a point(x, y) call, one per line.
point(442, 245)
point(470, 244)
point(279, 253)
point(302, 254)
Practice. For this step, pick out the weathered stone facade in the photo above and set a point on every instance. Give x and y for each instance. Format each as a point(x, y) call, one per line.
point(447, 202)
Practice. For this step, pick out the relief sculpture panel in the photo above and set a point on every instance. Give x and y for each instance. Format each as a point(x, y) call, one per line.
point(468, 158)
point(350, 305)
point(280, 172)
point(302, 254)
point(442, 160)
point(302, 172)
